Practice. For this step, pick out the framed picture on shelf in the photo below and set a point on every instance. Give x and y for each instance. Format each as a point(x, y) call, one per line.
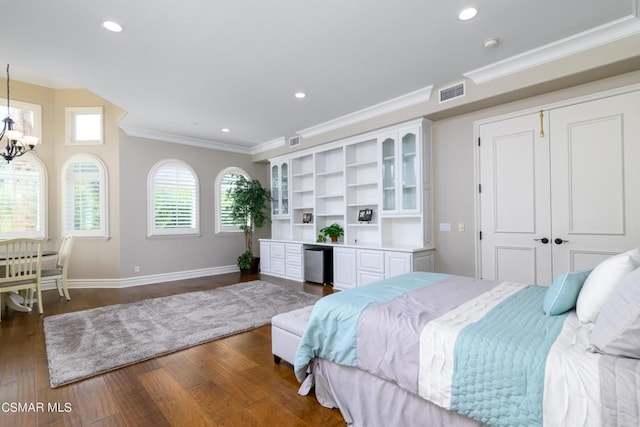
point(307, 217)
point(365, 215)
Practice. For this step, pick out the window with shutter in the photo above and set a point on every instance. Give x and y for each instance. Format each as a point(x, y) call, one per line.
point(22, 198)
point(84, 209)
point(225, 180)
point(173, 199)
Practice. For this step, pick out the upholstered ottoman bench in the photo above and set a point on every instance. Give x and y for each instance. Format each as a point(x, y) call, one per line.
point(286, 332)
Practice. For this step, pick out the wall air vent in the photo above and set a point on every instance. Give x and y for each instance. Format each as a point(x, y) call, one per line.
point(294, 141)
point(451, 92)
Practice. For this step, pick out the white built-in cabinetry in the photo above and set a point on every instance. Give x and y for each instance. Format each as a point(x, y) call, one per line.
point(352, 265)
point(282, 259)
point(280, 195)
point(387, 171)
point(355, 266)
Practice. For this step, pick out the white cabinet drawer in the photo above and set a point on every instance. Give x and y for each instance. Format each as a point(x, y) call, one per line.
point(397, 263)
point(294, 272)
point(294, 255)
point(366, 277)
point(372, 261)
point(277, 266)
point(277, 250)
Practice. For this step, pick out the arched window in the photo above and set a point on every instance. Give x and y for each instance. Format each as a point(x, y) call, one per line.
point(173, 199)
point(23, 198)
point(84, 195)
point(225, 179)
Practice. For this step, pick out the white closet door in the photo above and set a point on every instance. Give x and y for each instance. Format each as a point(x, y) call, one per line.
point(595, 176)
point(514, 201)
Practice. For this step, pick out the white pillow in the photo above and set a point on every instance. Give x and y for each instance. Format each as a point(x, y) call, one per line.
point(617, 330)
point(602, 281)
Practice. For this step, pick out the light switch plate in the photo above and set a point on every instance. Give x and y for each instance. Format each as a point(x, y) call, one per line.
point(445, 226)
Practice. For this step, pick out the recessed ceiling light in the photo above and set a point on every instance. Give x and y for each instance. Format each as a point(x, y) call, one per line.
point(112, 26)
point(226, 130)
point(300, 95)
point(467, 13)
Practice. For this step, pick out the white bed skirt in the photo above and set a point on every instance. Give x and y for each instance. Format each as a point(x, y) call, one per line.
point(369, 401)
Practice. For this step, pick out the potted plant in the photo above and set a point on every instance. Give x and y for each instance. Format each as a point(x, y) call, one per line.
point(333, 231)
point(249, 207)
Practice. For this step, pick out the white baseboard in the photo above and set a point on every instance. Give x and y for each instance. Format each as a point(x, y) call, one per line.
point(142, 280)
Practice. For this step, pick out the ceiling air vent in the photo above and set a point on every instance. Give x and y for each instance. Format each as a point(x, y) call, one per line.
point(451, 92)
point(294, 141)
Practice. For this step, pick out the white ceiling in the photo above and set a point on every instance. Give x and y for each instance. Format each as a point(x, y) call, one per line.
point(192, 67)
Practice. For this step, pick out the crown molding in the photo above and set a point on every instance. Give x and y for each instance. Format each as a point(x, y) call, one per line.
point(395, 104)
point(185, 140)
point(269, 145)
point(597, 36)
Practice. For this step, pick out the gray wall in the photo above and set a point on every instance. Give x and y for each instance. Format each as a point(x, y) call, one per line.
point(176, 254)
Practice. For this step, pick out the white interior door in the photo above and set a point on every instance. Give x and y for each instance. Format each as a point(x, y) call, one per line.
point(577, 186)
point(595, 175)
point(515, 207)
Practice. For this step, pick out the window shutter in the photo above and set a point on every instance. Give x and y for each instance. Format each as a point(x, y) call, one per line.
point(21, 199)
point(226, 183)
point(174, 196)
point(82, 202)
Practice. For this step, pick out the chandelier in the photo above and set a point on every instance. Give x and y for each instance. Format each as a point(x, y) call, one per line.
point(17, 143)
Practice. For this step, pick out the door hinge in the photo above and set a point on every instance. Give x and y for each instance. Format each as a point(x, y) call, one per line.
point(481, 235)
point(478, 141)
point(479, 188)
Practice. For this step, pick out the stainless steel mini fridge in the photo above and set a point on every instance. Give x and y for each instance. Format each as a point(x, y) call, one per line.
point(318, 265)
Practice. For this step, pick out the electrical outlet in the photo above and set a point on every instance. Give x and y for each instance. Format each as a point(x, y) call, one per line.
point(136, 269)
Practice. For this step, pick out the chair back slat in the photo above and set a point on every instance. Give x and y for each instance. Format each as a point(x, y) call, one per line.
point(20, 259)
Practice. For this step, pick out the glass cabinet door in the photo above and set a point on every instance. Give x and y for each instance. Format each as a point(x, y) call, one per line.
point(388, 175)
point(284, 189)
point(275, 191)
point(409, 172)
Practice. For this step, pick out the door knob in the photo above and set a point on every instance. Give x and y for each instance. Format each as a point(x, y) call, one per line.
point(543, 240)
point(559, 241)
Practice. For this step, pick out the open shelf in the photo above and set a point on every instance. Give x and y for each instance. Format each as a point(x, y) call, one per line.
point(385, 171)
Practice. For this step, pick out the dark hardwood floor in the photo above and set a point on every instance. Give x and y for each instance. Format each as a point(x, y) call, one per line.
point(228, 382)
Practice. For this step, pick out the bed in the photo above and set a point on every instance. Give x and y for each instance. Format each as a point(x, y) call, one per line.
point(440, 350)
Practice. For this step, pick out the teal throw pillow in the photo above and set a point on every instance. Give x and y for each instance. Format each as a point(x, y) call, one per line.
point(563, 292)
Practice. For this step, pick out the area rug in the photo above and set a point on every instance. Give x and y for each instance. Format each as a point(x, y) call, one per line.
point(90, 342)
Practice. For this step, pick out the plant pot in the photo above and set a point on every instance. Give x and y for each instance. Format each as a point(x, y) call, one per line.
point(255, 265)
point(253, 269)
point(334, 239)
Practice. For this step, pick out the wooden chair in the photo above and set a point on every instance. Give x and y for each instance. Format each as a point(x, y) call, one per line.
point(20, 267)
point(60, 272)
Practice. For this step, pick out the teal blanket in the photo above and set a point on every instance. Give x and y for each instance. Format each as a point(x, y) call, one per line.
point(500, 361)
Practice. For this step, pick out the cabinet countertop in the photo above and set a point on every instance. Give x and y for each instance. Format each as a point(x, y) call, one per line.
point(396, 248)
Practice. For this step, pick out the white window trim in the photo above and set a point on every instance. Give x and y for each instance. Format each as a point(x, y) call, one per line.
point(219, 227)
point(44, 203)
point(154, 232)
point(103, 233)
point(70, 115)
point(34, 108)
